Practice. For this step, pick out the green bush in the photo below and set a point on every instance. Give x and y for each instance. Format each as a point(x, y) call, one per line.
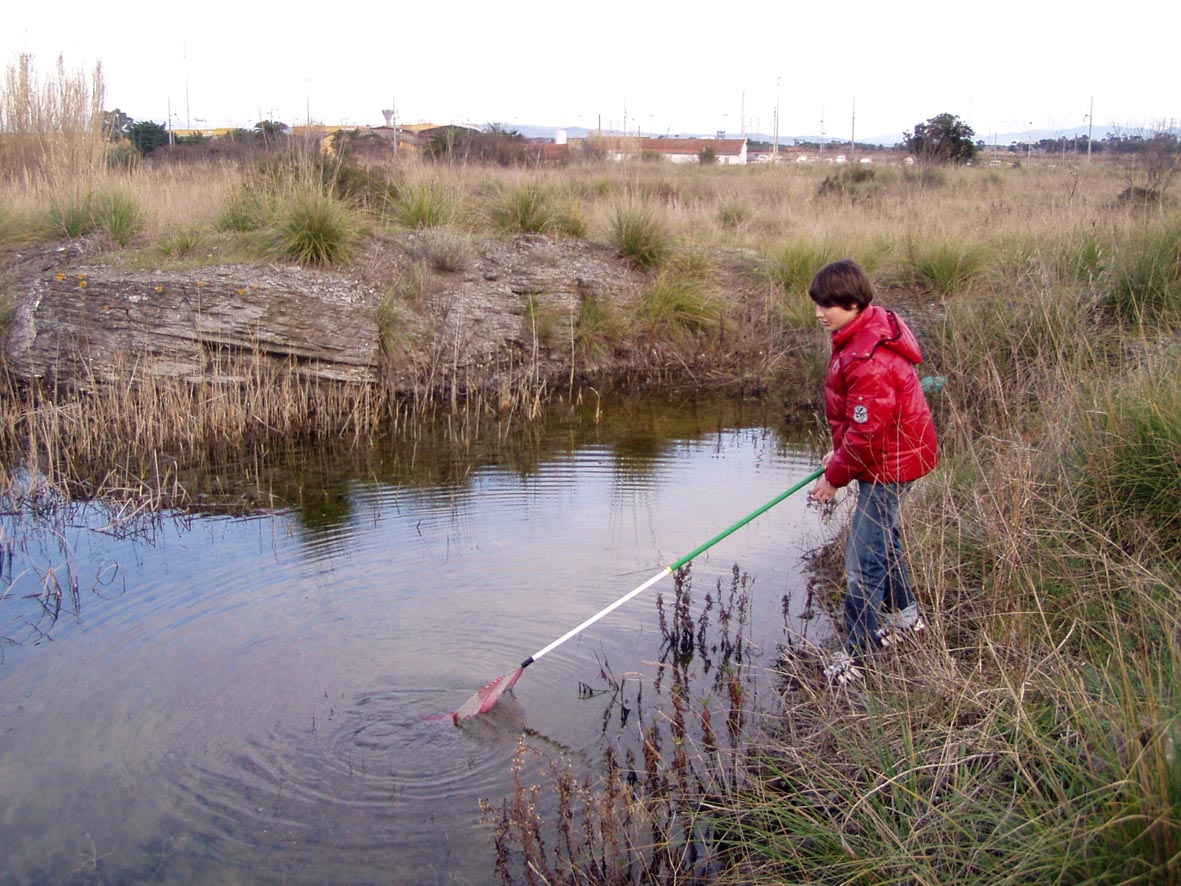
point(855, 182)
point(247, 209)
point(72, 215)
point(526, 209)
point(733, 214)
point(180, 244)
point(422, 205)
point(1084, 262)
point(362, 186)
point(118, 215)
point(530, 209)
point(598, 328)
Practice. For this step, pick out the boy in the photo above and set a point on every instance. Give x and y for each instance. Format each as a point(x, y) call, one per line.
point(883, 437)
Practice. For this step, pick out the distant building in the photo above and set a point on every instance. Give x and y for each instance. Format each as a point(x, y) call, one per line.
point(725, 151)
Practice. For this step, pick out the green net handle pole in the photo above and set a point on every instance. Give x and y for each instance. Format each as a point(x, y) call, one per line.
point(669, 570)
point(815, 475)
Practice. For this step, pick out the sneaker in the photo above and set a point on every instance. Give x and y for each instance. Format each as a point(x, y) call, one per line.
point(842, 668)
point(899, 624)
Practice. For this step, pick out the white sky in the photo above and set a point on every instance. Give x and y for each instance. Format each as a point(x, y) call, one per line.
point(658, 67)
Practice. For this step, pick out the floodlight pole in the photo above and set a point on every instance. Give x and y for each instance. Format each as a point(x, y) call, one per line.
point(853, 134)
point(1090, 123)
point(778, 81)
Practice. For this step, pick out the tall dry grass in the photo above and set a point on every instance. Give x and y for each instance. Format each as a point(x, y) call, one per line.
point(52, 126)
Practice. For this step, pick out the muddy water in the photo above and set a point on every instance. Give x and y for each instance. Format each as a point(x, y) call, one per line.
point(245, 694)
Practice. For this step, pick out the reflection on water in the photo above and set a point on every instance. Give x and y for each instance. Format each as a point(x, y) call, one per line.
point(246, 693)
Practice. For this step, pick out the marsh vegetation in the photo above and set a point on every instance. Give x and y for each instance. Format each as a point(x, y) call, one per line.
point(1033, 737)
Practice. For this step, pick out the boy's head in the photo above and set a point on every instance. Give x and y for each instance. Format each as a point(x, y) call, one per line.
point(841, 284)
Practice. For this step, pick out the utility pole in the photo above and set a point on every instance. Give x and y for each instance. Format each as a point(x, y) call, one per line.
point(394, 123)
point(1090, 122)
point(188, 115)
point(853, 134)
point(778, 80)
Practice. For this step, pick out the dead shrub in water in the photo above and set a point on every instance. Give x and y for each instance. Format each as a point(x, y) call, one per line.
point(640, 819)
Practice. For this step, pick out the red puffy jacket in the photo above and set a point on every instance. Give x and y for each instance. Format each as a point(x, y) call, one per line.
point(881, 426)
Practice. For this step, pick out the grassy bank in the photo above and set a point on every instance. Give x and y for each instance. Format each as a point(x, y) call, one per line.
point(722, 257)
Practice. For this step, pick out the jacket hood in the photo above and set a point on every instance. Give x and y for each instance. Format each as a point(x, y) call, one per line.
point(874, 328)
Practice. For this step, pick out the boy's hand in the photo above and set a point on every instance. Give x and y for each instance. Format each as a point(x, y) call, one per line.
point(823, 492)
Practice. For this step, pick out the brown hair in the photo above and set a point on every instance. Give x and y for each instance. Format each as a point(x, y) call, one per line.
point(841, 284)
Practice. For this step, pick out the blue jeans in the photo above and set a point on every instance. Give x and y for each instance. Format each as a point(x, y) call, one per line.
point(877, 573)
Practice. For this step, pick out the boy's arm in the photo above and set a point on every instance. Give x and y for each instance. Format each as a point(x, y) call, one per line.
point(870, 406)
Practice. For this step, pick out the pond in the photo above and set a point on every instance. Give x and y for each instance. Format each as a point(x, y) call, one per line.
point(247, 692)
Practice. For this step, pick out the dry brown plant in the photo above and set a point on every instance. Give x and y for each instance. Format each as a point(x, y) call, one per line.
point(51, 129)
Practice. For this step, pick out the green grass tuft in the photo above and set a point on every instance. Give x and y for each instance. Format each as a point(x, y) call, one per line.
point(112, 212)
point(677, 301)
point(640, 235)
point(316, 229)
point(794, 265)
point(1130, 459)
point(423, 205)
point(1145, 286)
point(946, 266)
point(525, 209)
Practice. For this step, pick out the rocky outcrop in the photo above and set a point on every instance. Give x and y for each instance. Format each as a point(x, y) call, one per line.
point(80, 321)
point(85, 324)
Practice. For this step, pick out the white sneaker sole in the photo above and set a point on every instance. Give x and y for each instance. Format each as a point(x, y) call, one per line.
point(892, 635)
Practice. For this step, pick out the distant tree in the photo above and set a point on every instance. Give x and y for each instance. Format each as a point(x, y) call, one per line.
point(146, 136)
point(243, 136)
point(270, 130)
point(450, 143)
point(193, 138)
point(707, 156)
point(115, 124)
point(501, 130)
point(1149, 160)
point(945, 138)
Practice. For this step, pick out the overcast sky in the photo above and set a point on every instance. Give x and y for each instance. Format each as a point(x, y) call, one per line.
point(659, 68)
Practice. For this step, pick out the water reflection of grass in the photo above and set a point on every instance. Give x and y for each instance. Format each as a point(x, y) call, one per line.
point(313, 476)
